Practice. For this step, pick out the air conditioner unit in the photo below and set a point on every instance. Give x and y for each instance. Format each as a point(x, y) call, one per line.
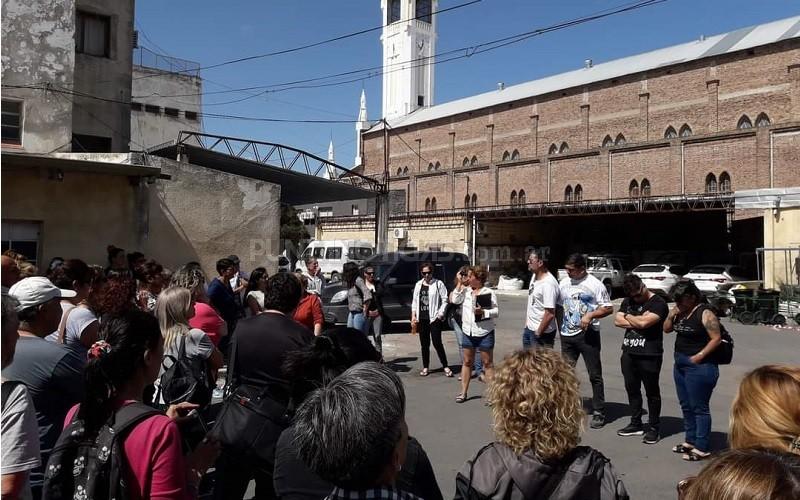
point(400, 233)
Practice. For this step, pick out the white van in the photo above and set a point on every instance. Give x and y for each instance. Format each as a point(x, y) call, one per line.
point(332, 255)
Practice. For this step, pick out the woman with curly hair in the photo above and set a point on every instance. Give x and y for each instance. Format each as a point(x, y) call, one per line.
point(118, 295)
point(537, 412)
point(150, 275)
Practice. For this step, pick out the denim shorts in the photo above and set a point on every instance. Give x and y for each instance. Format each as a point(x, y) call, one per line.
point(485, 343)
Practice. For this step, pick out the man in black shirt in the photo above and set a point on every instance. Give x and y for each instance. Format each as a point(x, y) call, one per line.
point(642, 314)
point(258, 350)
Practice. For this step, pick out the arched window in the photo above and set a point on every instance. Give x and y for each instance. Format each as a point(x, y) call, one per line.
point(466, 201)
point(608, 142)
point(473, 161)
point(744, 122)
point(633, 189)
point(686, 130)
point(645, 190)
point(437, 166)
point(553, 149)
point(711, 183)
point(521, 197)
point(563, 148)
point(724, 182)
point(427, 204)
point(430, 167)
point(620, 140)
point(433, 203)
point(513, 197)
point(465, 163)
point(670, 133)
point(474, 200)
point(568, 193)
point(399, 170)
point(515, 155)
point(506, 156)
point(578, 193)
point(762, 120)
point(405, 170)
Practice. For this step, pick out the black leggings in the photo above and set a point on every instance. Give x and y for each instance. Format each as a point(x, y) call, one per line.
point(428, 330)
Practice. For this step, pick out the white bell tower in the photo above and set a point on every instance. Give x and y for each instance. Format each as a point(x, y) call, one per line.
point(409, 44)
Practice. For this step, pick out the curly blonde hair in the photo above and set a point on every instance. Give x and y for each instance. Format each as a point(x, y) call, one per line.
point(766, 410)
point(536, 404)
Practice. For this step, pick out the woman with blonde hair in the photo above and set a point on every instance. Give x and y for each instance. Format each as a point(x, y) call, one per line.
point(766, 410)
point(537, 413)
point(756, 474)
point(174, 309)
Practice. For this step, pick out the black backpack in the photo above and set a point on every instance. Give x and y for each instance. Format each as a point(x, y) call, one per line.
point(92, 467)
point(185, 379)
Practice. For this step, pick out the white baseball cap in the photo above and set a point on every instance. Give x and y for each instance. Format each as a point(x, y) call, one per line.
point(35, 291)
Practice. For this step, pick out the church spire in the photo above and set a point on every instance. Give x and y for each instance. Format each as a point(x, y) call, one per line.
point(330, 172)
point(361, 125)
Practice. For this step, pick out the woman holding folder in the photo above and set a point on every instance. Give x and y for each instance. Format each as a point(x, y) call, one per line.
point(478, 312)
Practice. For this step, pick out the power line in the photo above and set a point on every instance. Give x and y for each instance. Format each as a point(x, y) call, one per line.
point(463, 52)
point(386, 124)
point(321, 42)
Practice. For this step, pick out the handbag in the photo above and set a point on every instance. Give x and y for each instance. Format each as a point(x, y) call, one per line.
point(723, 354)
point(251, 420)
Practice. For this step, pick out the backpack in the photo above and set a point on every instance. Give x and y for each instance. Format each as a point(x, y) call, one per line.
point(184, 379)
point(82, 467)
point(723, 354)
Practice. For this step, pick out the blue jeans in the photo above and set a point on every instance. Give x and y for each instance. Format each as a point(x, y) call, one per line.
point(529, 339)
point(694, 384)
point(358, 321)
point(478, 365)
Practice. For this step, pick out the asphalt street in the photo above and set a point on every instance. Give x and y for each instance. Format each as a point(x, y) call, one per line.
point(451, 432)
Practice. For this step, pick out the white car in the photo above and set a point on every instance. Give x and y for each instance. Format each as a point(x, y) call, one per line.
point(660, 278)
point(712, 278)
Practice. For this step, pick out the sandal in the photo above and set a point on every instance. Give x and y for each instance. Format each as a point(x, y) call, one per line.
point(461, 398)
point(423, 372)
point(482, 378)
point(695, 456)
point(682, 448)
point(448, 372)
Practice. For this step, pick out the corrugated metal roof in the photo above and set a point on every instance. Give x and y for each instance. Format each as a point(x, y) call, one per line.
point(741, 39)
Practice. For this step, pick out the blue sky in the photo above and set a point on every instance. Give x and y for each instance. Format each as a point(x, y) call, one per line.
point(210, 32)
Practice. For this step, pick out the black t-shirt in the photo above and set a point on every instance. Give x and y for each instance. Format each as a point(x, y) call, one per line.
point(424, 299)
point(648, 341)
point(261, 343)
point(690, 334)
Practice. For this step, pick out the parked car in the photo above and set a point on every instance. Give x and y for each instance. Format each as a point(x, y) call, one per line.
point(332, 255)
point(396, 274)
point(660, 278)
point(608, 268)
point(713, 278)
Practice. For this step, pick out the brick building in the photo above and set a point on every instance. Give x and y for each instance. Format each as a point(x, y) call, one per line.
point(637, 155)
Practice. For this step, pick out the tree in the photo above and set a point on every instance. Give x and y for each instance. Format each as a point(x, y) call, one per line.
point(292, 228)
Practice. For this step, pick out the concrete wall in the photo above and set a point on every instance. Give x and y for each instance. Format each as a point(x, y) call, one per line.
point(781, 230)
point(107, 78)
point(204, 215)
point(79, 216)
point(39, 47)
point(151, 129)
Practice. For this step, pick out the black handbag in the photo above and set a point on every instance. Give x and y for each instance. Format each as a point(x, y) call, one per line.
point(723, 354)
point(251, 420)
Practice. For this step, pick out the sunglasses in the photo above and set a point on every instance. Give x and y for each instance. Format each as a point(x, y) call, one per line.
point(463, 275)
point(426, 273)
point(370, 273)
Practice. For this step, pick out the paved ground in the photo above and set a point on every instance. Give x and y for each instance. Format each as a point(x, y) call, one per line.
point(452, 432)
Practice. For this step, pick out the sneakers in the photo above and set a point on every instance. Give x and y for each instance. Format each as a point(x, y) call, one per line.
point(651, 436)
point(598, 421)
point(631, 429)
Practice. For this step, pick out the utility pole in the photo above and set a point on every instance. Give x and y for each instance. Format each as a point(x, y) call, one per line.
point(382, 200)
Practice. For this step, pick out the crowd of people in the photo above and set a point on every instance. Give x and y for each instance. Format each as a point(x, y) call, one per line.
point(108, 373)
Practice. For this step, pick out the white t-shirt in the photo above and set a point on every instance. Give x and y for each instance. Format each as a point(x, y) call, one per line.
point(20, 443)
point(79, 318)
point(259, 296)
point(579, 297)
point(198, 345)
point(542, 294)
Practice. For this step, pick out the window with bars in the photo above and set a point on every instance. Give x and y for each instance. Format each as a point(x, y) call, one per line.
point(12, 121)
point(724, 182)
point(568, 193)
point(578, 193)
point(711, 183)
point(645, 189)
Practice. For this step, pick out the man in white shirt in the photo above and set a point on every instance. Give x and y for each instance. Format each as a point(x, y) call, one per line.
point(585, 300)
point(540, 324)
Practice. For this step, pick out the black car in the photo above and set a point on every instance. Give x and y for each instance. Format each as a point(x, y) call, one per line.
point(396, 273)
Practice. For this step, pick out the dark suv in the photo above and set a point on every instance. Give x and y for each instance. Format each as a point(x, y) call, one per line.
point(396, 274)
